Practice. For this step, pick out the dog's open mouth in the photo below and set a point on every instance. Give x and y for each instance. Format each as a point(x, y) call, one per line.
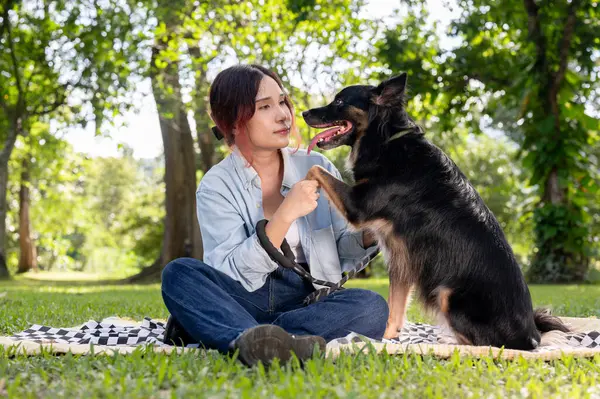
point(330, 138)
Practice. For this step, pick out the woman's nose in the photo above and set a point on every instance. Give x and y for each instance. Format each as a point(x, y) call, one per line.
point(283, 114)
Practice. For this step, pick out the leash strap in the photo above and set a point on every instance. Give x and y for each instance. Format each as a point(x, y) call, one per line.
point(288, 260)
point(323, 292)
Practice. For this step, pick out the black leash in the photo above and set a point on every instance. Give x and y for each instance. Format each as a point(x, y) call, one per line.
point(288, 260)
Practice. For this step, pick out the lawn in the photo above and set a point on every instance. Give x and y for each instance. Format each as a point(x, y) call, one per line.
point(209, 374)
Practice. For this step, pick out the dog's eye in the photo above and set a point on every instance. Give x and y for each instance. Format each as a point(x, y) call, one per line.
point(338, 102)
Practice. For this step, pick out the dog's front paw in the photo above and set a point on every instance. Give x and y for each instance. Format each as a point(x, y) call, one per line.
point(315, 173)
point(392, 330)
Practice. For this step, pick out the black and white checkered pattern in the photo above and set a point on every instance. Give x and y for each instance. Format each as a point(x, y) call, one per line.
point(411, 333)
point(109, 332)
point(587, 340)
point(118, 332)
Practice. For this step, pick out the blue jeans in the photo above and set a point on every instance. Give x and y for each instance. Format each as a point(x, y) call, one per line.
point(214, 309)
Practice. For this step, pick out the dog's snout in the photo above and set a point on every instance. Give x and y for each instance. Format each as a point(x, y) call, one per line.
point(305, 114)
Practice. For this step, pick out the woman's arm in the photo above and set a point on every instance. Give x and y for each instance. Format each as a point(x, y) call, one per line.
point(228, 246)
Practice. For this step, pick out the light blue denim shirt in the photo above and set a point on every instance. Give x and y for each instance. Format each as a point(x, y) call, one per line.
point(229, 204)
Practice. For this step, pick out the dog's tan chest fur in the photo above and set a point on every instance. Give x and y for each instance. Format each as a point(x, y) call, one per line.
point(394, 250)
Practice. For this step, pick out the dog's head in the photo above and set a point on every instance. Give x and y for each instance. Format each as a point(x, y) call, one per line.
point(353, 109)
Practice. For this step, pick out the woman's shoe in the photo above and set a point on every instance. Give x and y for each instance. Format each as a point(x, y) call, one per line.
point(267, 342)
point(175, 334)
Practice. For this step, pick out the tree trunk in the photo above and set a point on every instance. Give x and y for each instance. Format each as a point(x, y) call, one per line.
point(182, 232)
point(9, 144)
point(559, 222)
point(206, 140)
point(28, 256)
point(3, 188)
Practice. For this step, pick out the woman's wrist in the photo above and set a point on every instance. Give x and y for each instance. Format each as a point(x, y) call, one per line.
point(282, 216)
point(277, 228)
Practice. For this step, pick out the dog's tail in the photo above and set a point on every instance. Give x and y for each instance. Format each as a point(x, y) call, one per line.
point(545, 322)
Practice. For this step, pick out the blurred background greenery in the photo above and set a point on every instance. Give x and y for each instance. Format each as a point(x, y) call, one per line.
point(509, 89)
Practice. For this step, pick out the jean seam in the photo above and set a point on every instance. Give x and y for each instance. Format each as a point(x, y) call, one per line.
point(236, 297)
point(271, 296)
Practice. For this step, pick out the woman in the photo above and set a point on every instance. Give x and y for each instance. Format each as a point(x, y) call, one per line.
point(240, 299)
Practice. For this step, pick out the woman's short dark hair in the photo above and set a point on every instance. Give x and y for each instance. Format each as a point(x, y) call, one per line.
point(233, 102)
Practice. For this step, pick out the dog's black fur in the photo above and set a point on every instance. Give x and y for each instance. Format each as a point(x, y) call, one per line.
point(435, 230)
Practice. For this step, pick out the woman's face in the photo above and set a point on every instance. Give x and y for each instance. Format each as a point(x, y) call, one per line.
point(269, 127)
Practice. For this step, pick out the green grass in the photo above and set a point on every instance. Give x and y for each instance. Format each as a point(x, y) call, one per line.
point(209, 374)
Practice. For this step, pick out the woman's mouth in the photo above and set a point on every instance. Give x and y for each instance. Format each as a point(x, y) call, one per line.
point(283, 131)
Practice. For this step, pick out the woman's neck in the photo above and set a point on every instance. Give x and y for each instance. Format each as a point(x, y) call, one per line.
point(268, 165)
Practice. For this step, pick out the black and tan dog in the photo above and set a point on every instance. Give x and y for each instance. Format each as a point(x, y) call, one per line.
point(434, 229)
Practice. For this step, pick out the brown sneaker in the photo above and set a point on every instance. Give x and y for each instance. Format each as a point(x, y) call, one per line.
point(175, 334)
point(266, 342)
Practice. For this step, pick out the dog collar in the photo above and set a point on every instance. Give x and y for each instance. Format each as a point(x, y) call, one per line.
point(402, 133)
point(399, 134)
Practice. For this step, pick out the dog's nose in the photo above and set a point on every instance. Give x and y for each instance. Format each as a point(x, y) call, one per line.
point(305, 114)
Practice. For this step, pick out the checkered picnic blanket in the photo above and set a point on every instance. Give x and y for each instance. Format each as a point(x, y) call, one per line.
point(118, 332)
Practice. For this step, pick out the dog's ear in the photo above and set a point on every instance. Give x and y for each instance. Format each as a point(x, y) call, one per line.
point(391, 92)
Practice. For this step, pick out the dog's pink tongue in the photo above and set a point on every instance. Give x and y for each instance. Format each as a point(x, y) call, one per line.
point(315, 140)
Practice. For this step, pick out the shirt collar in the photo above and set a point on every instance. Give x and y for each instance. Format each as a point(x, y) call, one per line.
point(248, 174)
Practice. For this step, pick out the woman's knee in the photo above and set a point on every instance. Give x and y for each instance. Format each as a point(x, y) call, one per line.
point(374, 313)
point(377, 306)
point(178, 270)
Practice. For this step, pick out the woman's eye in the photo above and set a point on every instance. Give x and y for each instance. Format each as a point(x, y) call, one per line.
point(282, 102)
point(266, 106)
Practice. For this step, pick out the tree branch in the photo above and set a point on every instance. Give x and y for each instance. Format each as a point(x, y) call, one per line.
point(13, 56)
point(7, 7)
point(535, 33)
point(4, 106)
point(9, 144)
point(566, 43)
point(486, 80)
point(60, 100)
point(30, 78)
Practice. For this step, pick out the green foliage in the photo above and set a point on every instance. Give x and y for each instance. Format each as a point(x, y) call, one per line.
point(124, 206)
point(542, 100)
point(100, 215)
point(92, 54)
point(55, 189)
point(528, 70)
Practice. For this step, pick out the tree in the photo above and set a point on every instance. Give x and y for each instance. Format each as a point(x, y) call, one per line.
point(54, 51)
point(191, 36)
point(540, 97)
point(529, 69)
point(28, 254)
point(182, 233)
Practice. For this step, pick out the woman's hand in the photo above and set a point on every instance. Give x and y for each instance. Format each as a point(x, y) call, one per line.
point(300, 201)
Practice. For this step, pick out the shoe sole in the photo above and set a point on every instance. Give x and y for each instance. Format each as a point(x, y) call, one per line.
point(304, 345)
point(264, 343)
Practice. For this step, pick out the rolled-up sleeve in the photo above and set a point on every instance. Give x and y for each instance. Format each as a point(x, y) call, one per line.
point(349, 243)
point(227, 246)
